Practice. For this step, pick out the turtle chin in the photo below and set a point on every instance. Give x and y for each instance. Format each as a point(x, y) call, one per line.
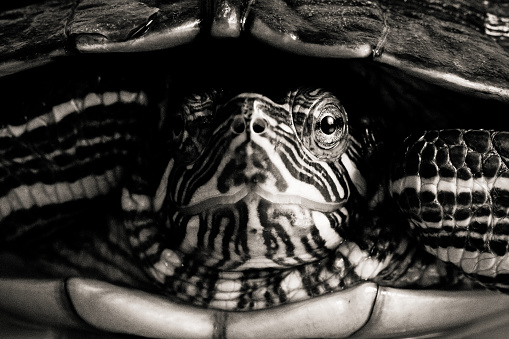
point(255, 232)
point(255, 253)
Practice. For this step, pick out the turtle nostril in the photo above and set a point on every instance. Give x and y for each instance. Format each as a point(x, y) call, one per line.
point(259, 126)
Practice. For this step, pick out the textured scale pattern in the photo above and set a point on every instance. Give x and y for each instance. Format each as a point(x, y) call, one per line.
point(453, 184)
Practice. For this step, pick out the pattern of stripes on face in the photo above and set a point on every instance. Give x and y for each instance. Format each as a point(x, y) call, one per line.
point(257, 289)
point(349, 165)
point(219, 241)
point(289, 247)
point(326, 177)
point(301, 102)
point(199, 283)
point(186, 179)
point(191, 124)
point(301, 166)
point(306, 169)
point(455, 186)
point(233, 175)
point(220, 231)
point(72, 153)
point(257, 234)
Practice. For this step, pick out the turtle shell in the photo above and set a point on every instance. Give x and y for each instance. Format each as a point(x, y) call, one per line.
point(423, 64)
point(457, 44)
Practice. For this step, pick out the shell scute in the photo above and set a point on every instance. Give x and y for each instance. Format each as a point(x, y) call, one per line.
point(440, 41)
point(446, 45)
point(115, 20)
point(339, 29)
point(32, 34)
point(131, 26)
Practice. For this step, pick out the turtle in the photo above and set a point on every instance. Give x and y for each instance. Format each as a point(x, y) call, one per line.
point(255, 168)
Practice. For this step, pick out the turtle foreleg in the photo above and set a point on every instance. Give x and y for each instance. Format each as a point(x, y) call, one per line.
point(453, 186)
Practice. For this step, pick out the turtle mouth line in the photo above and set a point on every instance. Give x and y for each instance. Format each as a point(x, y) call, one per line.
point(250, 193)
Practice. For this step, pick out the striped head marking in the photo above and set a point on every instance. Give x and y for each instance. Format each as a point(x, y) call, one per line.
point(285, 152)
point(256, 183)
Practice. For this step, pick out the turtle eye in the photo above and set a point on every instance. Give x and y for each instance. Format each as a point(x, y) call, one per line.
point(329, 127)
point(191, 125)
point(321, 123)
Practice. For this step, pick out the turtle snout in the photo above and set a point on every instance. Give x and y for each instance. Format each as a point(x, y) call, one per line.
point(249, 166)
point(257, 125)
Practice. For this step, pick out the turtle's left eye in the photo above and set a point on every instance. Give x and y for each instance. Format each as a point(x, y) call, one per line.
point(321, 123)
point(329, 127)
point(190, 126)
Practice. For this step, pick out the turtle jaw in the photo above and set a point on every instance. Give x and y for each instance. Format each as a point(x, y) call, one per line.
point(252, 253)
point(253, 191)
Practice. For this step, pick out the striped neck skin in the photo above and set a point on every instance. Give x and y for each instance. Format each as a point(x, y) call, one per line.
point(254, 201)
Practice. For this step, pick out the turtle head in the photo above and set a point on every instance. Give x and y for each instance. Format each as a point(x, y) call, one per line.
point(285, 150)
point(257, 187)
